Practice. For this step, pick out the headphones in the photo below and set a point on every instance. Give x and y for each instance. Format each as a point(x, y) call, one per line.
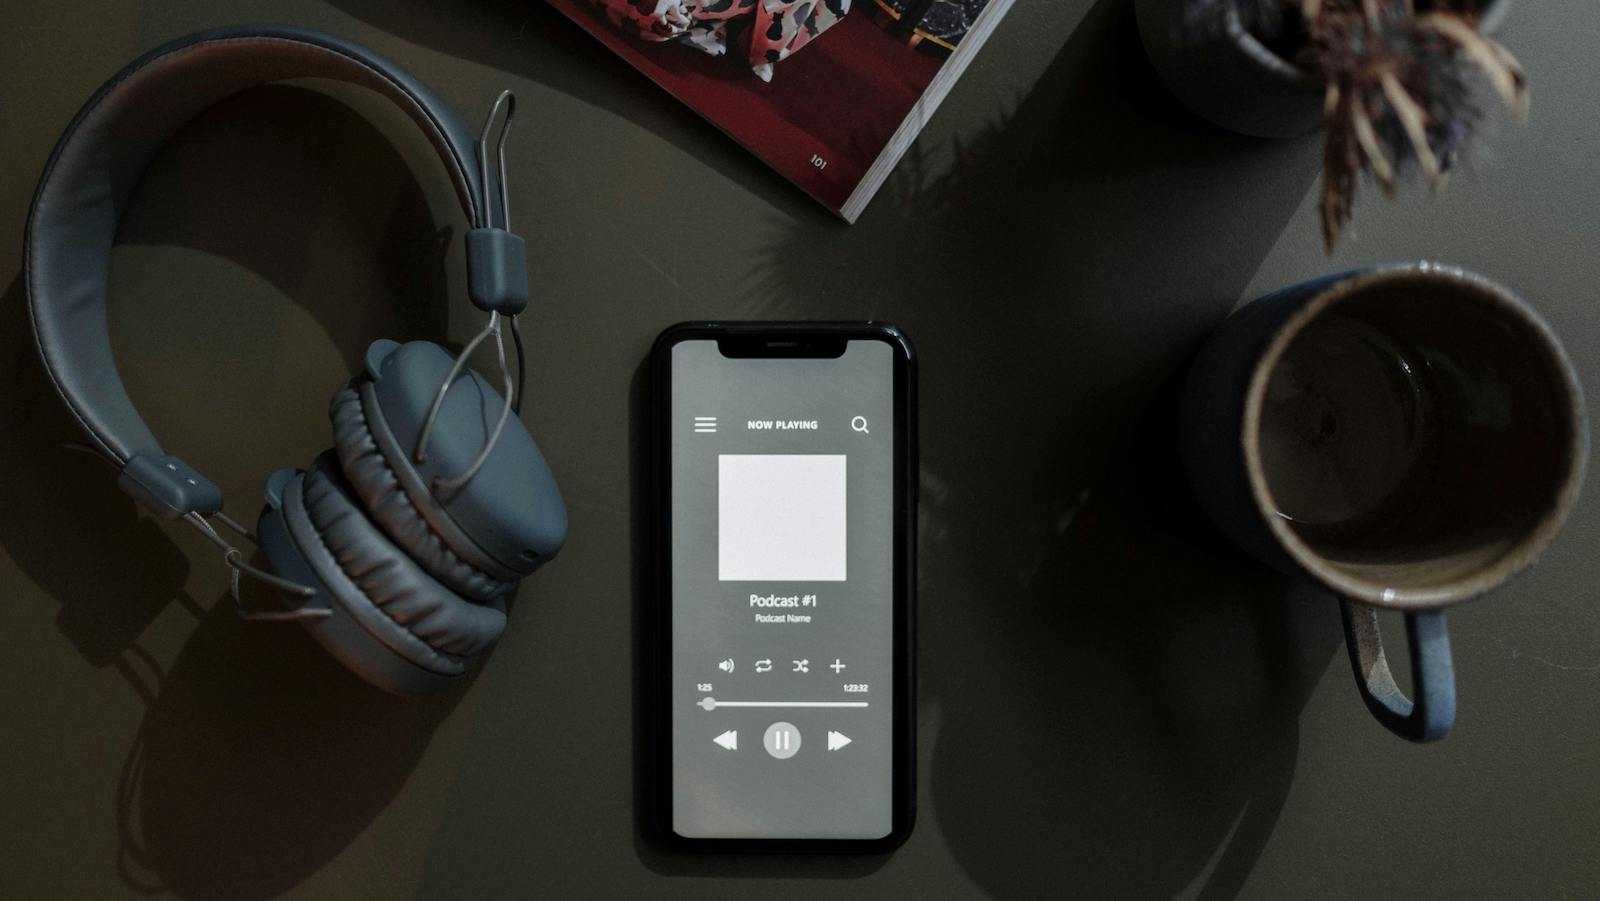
point(398, 547)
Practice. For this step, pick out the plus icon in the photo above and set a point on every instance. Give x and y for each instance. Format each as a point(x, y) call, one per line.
point(836, 666)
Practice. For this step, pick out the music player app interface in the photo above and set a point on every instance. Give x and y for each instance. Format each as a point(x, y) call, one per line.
point(782, 614)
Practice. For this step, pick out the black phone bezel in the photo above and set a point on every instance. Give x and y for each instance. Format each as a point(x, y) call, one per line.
point(780, 340)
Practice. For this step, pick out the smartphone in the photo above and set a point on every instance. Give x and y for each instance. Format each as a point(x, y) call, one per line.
point(782, 668)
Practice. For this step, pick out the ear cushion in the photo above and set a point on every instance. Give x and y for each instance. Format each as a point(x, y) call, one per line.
point(344, 633)
point(418, 618)
point(382, 494)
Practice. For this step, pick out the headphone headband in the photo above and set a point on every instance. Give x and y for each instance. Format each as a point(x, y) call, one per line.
point(101, 158)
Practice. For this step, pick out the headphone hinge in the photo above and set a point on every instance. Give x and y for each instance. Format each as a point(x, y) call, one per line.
point(169, 487)
point(497, 271)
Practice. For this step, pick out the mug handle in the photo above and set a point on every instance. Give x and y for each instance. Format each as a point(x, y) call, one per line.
point(1433, 676)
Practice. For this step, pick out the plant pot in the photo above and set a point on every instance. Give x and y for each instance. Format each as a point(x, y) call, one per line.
point(1232, 79)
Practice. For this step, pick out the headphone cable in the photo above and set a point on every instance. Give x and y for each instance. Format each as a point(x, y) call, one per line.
point(522, 366)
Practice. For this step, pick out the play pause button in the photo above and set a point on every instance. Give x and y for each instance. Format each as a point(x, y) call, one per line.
point(782, 740)
point(837, 740)
point(728, 739)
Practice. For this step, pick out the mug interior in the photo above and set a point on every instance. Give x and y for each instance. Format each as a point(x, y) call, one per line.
point(1414, 436)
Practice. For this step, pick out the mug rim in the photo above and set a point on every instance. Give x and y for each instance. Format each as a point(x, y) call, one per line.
point(1523, 553)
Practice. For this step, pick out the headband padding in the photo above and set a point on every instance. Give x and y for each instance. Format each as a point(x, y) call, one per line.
point(419, 619)
point(103, 155)
point(376, 483)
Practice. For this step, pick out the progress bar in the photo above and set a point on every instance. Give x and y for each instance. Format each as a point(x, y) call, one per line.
point(713, 704)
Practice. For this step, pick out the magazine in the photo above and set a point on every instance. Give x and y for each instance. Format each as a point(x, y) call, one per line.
point(828, 92)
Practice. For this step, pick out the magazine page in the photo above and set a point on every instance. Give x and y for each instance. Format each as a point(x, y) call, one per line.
point(819, 89)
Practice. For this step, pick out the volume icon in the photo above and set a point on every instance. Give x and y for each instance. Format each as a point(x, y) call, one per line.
point(726, 665)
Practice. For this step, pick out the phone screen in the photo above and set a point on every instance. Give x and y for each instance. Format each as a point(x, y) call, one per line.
point(782, 558)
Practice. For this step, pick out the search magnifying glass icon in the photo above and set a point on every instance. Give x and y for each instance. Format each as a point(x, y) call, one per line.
point(860, 424)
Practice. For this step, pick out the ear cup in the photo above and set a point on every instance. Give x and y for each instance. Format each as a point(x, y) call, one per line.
point(405, 608)
point(432, 543)
point(511, 511)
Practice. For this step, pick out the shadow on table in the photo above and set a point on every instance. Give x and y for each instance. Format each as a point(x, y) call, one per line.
point(1138, 737)
point(1110, 693)
point(310, 196)
point(65, 524)
point(259, 758)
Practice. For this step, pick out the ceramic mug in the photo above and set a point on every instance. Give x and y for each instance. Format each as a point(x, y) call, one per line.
point(1409, 436)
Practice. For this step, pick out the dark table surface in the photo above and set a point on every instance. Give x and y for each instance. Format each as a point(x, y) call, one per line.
point(1112, 700)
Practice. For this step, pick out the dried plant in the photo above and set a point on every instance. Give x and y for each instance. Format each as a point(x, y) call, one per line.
point(1404, 86)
